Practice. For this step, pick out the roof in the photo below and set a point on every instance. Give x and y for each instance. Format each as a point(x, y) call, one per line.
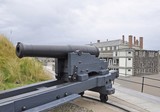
point(108, 43)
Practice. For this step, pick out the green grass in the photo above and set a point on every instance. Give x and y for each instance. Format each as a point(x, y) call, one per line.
point(15, 72)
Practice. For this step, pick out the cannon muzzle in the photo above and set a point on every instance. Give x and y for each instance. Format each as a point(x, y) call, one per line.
point(52, 51)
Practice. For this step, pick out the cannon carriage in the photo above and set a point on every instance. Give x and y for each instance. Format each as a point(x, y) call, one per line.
point(78, 68)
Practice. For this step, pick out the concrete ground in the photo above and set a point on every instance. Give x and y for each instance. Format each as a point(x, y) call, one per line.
point(149, 90)
point(144, 101)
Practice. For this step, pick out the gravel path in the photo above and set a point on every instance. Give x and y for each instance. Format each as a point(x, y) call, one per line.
point(70, 107)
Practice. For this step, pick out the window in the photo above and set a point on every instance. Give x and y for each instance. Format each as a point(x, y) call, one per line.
point(151, 54)
point(137, 70)
point(104, 48)
point(113, 48)
point(110, 61)
point(141, 65)
point(116, 53)
point(144, 53)
point(129, 52)
point(114, 61)
point(136, 53)
point(129, 70)
point(108, 48)
point(117, 47)
point(99, 49)
point(156, 54)
point(129, 58)
point(140, 54)
point(152, 64)
point(143, 71)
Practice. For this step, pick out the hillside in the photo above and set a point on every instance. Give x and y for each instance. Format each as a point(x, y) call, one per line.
point(16, 72)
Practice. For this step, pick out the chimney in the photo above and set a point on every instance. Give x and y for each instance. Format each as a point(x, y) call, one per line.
point(134, 40)
point(130, 41)
point(123, 39)
point(98, 41)
point(141, 42)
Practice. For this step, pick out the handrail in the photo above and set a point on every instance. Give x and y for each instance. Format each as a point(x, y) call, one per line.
point(142, 83)
point(129, 81)
point(152, 78)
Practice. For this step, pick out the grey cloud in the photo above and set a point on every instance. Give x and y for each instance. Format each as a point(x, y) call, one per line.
point(79, 21)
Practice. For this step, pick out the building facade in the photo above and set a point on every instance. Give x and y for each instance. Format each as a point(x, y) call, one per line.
point(146, 62)
point(128, 57)
point(123, 61)
point(136, 62)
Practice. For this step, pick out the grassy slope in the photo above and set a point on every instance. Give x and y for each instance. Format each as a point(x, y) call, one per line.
point(16, 72)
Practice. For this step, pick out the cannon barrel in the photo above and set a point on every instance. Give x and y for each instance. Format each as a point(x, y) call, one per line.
point(52, 50)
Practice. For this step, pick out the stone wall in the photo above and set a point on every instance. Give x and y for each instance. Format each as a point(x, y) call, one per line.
point(146, 62)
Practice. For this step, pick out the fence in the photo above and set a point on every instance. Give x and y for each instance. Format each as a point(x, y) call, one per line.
point(143, 84)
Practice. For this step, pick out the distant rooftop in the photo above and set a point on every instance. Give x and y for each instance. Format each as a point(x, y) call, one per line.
point(109, 43)
point(132, 42)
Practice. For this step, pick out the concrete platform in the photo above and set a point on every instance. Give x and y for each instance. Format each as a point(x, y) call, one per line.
point(145, 101)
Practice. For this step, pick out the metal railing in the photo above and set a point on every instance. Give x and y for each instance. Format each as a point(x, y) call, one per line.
point(143, 84)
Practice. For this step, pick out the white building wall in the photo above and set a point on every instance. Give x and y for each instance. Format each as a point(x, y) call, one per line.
point(114, 54)
point(129, 53)
point(123, 46)
point(125, 62)
point(125, 72)
point(122, 53)
point(122, 72)
point(122, 62)
point(129, 72)
point(125, 53)
point(129, 62)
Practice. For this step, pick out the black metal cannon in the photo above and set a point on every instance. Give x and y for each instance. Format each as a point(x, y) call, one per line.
point(78, 68)
point(52, 50)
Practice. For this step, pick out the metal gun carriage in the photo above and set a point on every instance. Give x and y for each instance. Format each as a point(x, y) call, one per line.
point(78, 68)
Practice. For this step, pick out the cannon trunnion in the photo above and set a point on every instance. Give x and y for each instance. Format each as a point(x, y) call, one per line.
point(78, 68)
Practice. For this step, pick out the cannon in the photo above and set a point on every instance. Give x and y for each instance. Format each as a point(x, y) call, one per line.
point(52, 51)
point(77, 69)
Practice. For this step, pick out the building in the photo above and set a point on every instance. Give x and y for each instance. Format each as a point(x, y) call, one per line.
point(123, 61)
point(146, 62)
point(128, 57)
point(135, 62)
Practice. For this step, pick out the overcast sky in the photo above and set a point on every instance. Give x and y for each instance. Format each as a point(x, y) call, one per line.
point(80, 21)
